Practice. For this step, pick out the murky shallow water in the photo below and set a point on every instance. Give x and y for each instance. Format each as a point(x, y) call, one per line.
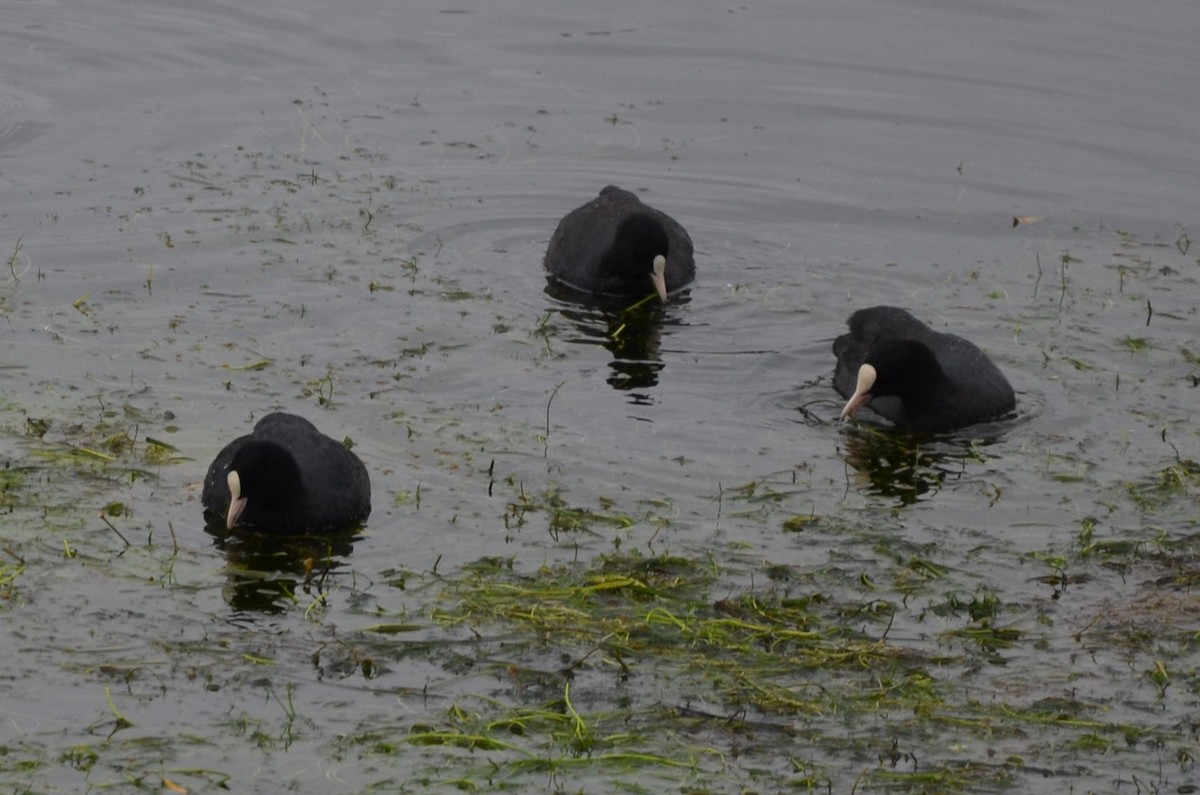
point(211, 211)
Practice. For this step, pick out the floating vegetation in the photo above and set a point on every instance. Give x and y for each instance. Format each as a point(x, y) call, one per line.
point(800, 682)
point(506, 748)
point(890, 615)
point(562, 517)
point(11, 567)
point(97, 457)
point(1181, 479)
point(1135, 344)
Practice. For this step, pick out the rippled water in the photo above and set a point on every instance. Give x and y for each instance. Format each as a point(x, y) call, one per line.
point(211, 210)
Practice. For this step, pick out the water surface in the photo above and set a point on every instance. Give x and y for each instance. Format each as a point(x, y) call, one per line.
point(212, 210)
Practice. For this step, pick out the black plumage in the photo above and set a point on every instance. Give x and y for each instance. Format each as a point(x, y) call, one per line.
point(609, 247)
point(287, 477)
point(920, 379)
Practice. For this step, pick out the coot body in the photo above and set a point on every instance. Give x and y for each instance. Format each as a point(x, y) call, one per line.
point(612, 246)
point(920, 379)
point(287, 477)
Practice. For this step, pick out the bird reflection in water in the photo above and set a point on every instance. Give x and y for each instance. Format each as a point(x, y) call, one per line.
point(268, 573)
point(631, 332)
point(908, 467)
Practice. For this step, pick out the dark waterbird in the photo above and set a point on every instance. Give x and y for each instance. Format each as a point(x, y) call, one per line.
point(615, 245)
point(920, 379)
point(287, 477)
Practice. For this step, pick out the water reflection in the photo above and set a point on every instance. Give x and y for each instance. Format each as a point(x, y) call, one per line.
point(267, 573)
point(632, 332)
point(907, 467)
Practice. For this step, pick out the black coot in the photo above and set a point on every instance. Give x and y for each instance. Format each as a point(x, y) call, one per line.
point(920, 379)
point(615, 245)
point(287, 477)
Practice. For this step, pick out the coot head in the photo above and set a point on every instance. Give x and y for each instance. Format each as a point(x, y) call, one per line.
point(264, 479)
point(905, 369)
point(640, 249)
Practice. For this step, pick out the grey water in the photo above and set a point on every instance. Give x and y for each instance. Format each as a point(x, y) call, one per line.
point(212, 210)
